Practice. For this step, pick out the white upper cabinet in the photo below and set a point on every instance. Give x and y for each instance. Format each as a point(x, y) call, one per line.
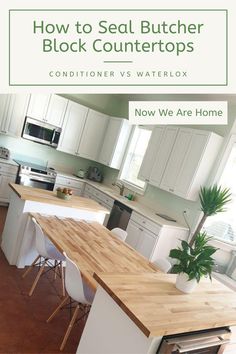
point(115, 142)
point(12, 113)
point(190, 162)
point(56, 110)
point(38, 106)
point(48, 108)
point(157, 154)
point(93, 135)
point(162, 155)
point(4, 103)
point(72, 128)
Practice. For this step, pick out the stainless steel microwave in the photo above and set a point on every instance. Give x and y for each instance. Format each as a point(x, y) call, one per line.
point(41, 132)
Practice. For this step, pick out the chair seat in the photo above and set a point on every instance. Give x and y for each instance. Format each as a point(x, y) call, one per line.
point(53, 253)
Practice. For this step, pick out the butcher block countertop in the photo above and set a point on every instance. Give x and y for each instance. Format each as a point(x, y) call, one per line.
point(155, 305)
point(93, 247)
point(49, 197)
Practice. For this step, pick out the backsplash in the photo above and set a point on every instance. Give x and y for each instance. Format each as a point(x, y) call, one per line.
point(41, 154)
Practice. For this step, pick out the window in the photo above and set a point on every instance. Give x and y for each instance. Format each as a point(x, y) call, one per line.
point(223, 225)
point(134, 157)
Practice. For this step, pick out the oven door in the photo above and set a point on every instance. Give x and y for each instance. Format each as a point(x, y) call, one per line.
point(203, 342)
point(36, 182)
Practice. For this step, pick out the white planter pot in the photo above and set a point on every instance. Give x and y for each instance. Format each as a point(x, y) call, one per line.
point(185, 285)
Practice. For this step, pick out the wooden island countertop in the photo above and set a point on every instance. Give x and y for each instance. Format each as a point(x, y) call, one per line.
point(153, 303)
point(49, 197)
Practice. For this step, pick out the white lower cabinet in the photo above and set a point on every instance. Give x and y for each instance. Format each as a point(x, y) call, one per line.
point(7, 175)
point(152, 240)
point(71, 183)
point(100, 197)
point(140, 237)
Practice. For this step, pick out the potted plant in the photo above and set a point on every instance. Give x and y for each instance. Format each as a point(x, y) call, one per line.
point(194, 262)
point(194, 258)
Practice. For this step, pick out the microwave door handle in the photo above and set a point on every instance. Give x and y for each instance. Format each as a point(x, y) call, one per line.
point(53, 136)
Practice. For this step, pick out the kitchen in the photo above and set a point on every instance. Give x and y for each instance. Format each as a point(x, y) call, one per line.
point(100, 129)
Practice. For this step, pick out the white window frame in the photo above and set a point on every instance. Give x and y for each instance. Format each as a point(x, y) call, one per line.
point(127, 184)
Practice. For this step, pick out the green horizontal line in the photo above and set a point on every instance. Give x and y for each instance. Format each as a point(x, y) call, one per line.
point(118, 61)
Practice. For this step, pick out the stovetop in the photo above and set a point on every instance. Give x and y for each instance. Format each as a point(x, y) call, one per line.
point(33, 166)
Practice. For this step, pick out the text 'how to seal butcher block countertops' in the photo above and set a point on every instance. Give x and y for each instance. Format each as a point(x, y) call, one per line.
point(93, 247)
point(49, 197)
point(155, 305)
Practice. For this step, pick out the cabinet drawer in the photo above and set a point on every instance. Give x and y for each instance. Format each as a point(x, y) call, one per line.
point(145, 223)
point(98, 195)
point(9, 169)
point(70, 183)
point(89, 189)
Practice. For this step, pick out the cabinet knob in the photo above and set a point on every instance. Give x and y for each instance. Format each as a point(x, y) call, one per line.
point(140, 229)
point(171, 189)
point(147, 180)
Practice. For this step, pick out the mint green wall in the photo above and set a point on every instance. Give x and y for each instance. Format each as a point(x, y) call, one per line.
point(41, 154)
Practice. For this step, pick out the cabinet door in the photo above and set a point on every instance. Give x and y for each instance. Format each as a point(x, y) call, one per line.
point(133, 234)
point(110, 141)
point(4, 187)
point(93, 135)
point(4, 105)
point(146, 243)
point(72, 128)
point(176, 159)
point(56, 110)
point(192, 160)
point(15, 117)
point(38, 106)
point(150, 155)
point(167, 140)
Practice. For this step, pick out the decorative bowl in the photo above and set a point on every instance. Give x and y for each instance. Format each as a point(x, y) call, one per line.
point(64, 196)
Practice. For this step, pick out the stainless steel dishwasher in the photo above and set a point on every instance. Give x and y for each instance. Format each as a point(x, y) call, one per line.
point(119, 217)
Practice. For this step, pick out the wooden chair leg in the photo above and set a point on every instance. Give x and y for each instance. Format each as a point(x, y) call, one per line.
point(58, 308)
point(30, 267)
point(55, 272)
point(37, 278)
point(62, 279)
point(71, 324)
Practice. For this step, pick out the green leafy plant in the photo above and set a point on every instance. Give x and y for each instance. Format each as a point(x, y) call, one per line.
point(196, 260)
point(213, 200)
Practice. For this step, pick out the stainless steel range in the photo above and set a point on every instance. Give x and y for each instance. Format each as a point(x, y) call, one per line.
point(33, 175)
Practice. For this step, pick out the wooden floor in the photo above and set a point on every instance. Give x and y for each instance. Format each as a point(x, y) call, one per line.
point(23, 327)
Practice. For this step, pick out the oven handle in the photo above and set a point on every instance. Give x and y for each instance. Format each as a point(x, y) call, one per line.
point(37, 178)
point(200, 345)
point(42, 180)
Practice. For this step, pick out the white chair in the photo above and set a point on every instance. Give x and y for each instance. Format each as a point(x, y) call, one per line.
point(163, 264)
point(119, 233)
point(78, 291)
point(48, 256)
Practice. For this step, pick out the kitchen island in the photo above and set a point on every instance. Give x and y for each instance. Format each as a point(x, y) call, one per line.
point(132, 312)
point(17, 238)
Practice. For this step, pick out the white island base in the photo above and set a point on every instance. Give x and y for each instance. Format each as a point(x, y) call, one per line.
point(109, 330)
point(18, 234)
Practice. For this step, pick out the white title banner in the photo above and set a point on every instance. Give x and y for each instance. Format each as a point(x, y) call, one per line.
point(178, 112)
point(103, 47)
